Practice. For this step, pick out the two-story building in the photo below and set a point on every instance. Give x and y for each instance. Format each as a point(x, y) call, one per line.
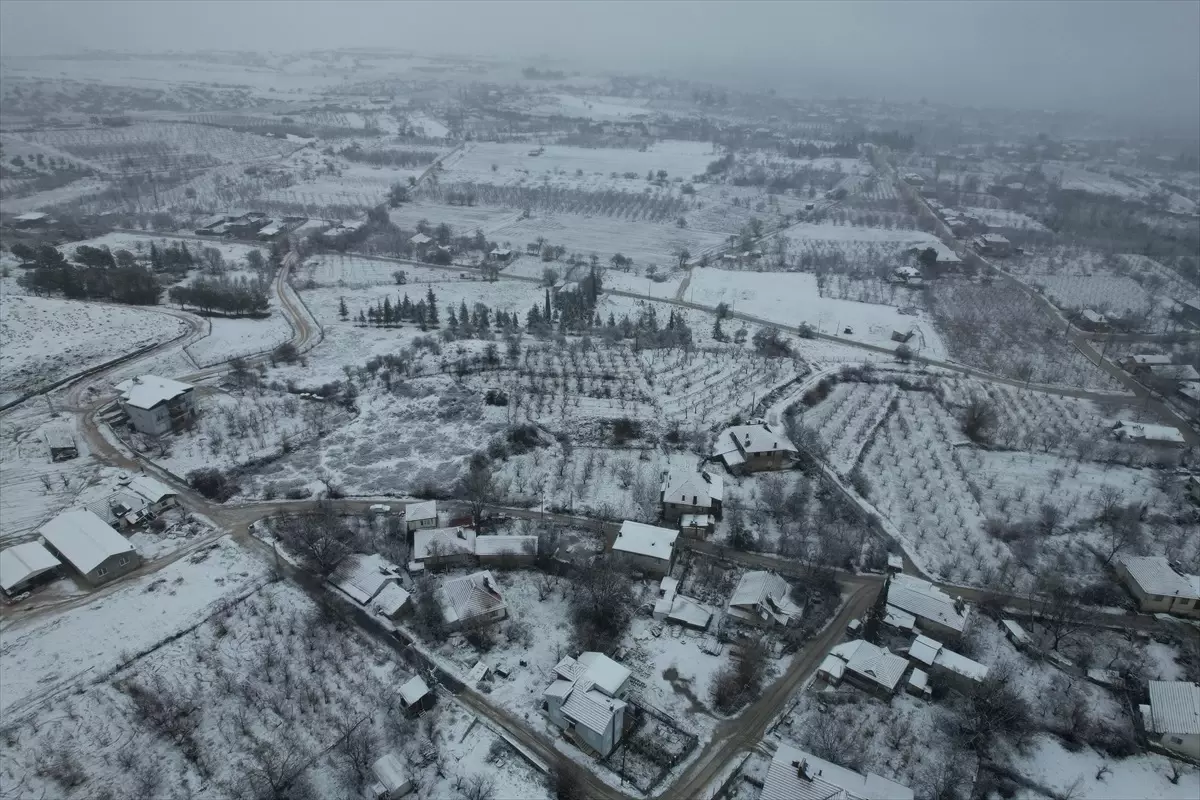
point(156, 406)
point(647, 548)
point(587, 701)
point(754, 448)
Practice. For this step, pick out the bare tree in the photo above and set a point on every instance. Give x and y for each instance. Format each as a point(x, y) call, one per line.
point(478, 487)
point(1123, 531)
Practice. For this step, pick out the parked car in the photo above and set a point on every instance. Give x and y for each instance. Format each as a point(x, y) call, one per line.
point(380, 508)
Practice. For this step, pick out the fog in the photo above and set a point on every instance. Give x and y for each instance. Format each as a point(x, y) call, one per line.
point(1138, 58)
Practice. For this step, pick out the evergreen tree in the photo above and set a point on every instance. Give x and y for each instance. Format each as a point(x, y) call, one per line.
point(717, 333)
point(534, 319)
point(362, 317)
point(431, 312)
point(156, 262)
point(385, 313)
point(464, 315)
point(452, 319)
point(547, 313)
point(406, 309)
point(877, 613)
point(343, 312)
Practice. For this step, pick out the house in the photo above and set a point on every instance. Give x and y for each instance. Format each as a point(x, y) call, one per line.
point(392, 780)
point(157, 495)
point(905, 274)
point(509, 550)
point(646, 547)
point(1174, 373)
point(762, 598)
point(1189, 396)
point(697, 526)
point(754, 448)
point(90, 546)
point(586, 701)
point(420, 241)
point(1172, 719)
point(1091, 320)
point(415, 695)
point(1158, 587)
point(871, 668)
point(392, 601)
point(1142, 362)
point(442, 547)
point(246, 226)
point(501, 254)
point(362, 577)
point(993, 244)
point(797, 775)
point(30, 219)
point(1162, 438)
point(213, 226)
point(157, 405)
point(960, 672)
point(272, 230)
point(674, 607)
point(122, 509)
point(61, 442)
point(22, 565)
point(931, 609)
point(421, 515)
point(471, 600)
point(685, 491)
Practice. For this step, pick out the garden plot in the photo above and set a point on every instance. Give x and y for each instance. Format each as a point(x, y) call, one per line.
point(846, 420)
point(230, 338)
point(50, 654)
point(998, 327)
point(160, 146)
point(182, 717)
point(1108, 294)
point(354, 272)
point(793, 298)
point(645, 243)
point(463, 220)
point(828, 234)
point(44, 339)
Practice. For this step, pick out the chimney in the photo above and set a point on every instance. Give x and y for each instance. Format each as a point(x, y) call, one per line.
point(802, 770)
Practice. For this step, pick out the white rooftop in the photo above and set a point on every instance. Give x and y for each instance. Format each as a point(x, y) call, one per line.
point(877, 663)
point(590, 708)
point(924, 600)
point(391, 599)
point(752, 439)
point(797, 775)
point(420, 238)
point(645, 540)
point(390, 772)
point(420, 511)
point(1144, 431)
point(152, 489)
point(413, 690)
point(147, 391)
point(362, 577)
point(606, 674)
point(924, 649)
point(84, 539)
point(1174, 707)
point(961, 665)
point(691, 488)
point(445, 541)
point(1155, 576)
point(764, 594)
point(514, 545)
point(24, 562)
point(470, 596)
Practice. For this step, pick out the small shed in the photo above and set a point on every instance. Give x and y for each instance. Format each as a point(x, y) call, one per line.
point(23, 564)
point(1016, 634)
point(416, 696)
point(918, 684)
point(392, 601)
point(61, 442)
point(392, 780)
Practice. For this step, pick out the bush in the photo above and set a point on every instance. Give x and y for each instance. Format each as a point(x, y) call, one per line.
point(626, 430)
point(286, 353)
point(213, 484)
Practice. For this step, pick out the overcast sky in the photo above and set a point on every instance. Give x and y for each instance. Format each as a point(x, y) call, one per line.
point(1139, 57)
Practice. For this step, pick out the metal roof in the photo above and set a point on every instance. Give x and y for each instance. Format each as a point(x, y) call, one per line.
point(878, 664)
point(390, 772)
point(506, 545)
point(362, 577)
point(391, 599)
point(84, 539)
point(591, 708)
point(645, 540)
point(147, 391)
point(924, 600)
point(924, 649)
point(1155, 576)
point(24, 562)
point(681, 484)
point(413, 690)
point(1175, 707)
point(470, 596)
point(797, 775)
point(423, 510)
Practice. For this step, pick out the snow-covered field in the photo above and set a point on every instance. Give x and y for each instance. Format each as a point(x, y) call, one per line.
point(230, 338)
point(1052, 765)
point(1003, 218)
point(44, 339)
point(645, 243)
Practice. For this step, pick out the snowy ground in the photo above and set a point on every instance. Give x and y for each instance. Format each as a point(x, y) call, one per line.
point(1063, 771)
point(44, 339)
point(230, 338)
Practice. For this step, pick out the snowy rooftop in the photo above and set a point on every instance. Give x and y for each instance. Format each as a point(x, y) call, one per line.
point(446, 541)
point(420, 238)
point(362, 577)
point(994, 238)
point(645, 540)
point(1150, 433)
point(797, 775)
point(924, 649)
point(692, 488)
point(877, 663)
point(391, 599)
point(606, 674)
point(763, 594)
point(1016, 631)
point(960, 665)
point(470, 596)
point(506, 545)
point(24, 562)
point(84, 539)
point(832, 666)
point(1150, 359)
point(1175, 707)
point(754, 439)
point(1155, 575)
point(31, 216)
point(413, 690)
point(420, 511)
point(1093, 316)
point(924, 600)
point(591, 708)
point(901, 620)
point(390, 772)
point(147, 391)
point(1175, 372)
point(152, 489)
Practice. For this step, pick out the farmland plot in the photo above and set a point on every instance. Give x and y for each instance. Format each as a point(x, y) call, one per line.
point(239, 338)
point(1003, 218)
point(848, 418)
point(161, 146)
point(644, 242)
point(1108, 294)
point(43, 339)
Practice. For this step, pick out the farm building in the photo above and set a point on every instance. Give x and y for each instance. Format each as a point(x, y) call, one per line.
point(1172, 718)
point(931, 609)
point(754, 448)
point(1158, 587)
point(123, 509)
point(646, 547)
point(92, 547)
point(1177, 373)
point(674, 607)
point(157, 405)
point(873, 669)
point(797, 775)
point(1162, 438)
point(420, 240)
point(1016, 634)
point(993, 244)
point(158, 496)
point(392, 601)
point(421, 515)
point(61, 443)
point(906, 274)
point(685, 491)
point(22, 565)
point(501, 254)
point(392, 780)
point(443, 546)
point(362, 577)
point(1142, 362)
point(471, 600)
point(506, 549)
point(415, 695)
point(957, 670)
point(1091, 320)
point(763, 598)
point(585, 701)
